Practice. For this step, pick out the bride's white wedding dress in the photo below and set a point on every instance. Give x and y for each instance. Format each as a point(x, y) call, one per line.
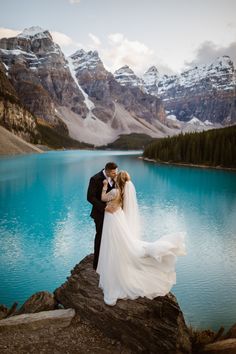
point(129, 267)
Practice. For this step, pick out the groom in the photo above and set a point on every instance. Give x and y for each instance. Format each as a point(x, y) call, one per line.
point(94, 197)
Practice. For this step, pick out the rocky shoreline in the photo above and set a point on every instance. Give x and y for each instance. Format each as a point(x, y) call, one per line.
point(188, 164)
point(74, 319)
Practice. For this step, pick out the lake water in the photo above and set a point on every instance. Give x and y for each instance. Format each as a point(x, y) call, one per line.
point(45, 228)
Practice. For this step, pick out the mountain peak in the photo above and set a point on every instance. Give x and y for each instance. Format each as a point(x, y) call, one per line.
point(35, 31)
point(126, 77)
point(152, 69)
point(151, 78)
point(124, 70)
point(224, 61)
point(86, 60)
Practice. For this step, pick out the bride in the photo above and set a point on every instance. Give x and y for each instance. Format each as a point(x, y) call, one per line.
point(128, 266)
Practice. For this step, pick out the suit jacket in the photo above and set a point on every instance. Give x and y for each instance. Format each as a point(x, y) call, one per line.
point(94, 195)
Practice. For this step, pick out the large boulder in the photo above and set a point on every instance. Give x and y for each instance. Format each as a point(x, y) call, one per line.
point(40, 301)
point(145, 326)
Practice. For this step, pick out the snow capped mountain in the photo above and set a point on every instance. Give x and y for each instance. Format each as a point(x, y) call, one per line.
point(126, 77)
point(86, 60)
point(150, 79)
point(219, 75)
point(195, 121)
point(39, 72)
point(36, 32)
point(79, 97)
point(193, 125)
point(112, 109)
point(207, 91)
point(33, 46)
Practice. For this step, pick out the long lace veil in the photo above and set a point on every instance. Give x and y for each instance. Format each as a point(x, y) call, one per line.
point(130, 208)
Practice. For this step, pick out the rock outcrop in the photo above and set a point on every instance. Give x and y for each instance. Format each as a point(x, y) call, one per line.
point(145, 326)
point(40, 301)
point(13, 115)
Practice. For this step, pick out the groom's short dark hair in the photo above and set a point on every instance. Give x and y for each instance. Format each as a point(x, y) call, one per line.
point(111, 166)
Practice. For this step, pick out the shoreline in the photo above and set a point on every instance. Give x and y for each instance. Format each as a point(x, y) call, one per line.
point(45, 148)
point(181, 164)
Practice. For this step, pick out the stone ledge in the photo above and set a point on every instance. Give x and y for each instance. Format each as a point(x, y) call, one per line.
point(33, 321)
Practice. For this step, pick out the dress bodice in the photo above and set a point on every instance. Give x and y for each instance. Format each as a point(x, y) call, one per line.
point(112, 198)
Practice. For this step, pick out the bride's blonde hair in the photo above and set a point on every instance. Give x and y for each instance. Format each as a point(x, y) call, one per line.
point(121, 179)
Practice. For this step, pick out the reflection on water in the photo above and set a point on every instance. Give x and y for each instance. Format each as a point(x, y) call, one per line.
point(46, 229)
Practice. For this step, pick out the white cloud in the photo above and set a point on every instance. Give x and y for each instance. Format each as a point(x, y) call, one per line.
point(116, 52)
point(96, 41)
point(74, 1)
point(7, 32)
point(209, 51)
point(63, 40)
point(121, 51)
point(116, 37)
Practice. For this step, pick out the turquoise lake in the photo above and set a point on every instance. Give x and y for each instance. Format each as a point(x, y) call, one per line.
point(45, 228)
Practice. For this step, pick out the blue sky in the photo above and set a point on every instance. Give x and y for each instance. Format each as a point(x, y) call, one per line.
point(171, 34)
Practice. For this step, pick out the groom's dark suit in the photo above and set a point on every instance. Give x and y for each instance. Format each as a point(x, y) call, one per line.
point(97, 213)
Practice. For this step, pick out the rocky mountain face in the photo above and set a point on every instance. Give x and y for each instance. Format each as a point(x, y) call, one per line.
point(104, 90)
point(123, 109)
point(13, 115)
point(126, 77)
point(150, 79)
point(37, 69)
point(77, 96)
point(207, 92)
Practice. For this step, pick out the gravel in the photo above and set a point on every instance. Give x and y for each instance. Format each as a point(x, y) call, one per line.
point(80, 337)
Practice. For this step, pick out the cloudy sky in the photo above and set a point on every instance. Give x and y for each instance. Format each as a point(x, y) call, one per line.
point(171, 34)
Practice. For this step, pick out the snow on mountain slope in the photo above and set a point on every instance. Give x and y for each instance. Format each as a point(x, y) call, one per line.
point(218, 75)
point(121, 109)
point(150, 80)
point(34, 31)
point(205, 91)
point(126, 77)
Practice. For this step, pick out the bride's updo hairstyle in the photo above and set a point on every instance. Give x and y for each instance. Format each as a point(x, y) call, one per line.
point(121, 179)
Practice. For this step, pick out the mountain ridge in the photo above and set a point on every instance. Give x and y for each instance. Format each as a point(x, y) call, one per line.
point(207, 92)
point(80, 99)
point(76, 95)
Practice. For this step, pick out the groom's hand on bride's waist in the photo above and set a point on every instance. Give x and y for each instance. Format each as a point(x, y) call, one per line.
point(110, 209)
